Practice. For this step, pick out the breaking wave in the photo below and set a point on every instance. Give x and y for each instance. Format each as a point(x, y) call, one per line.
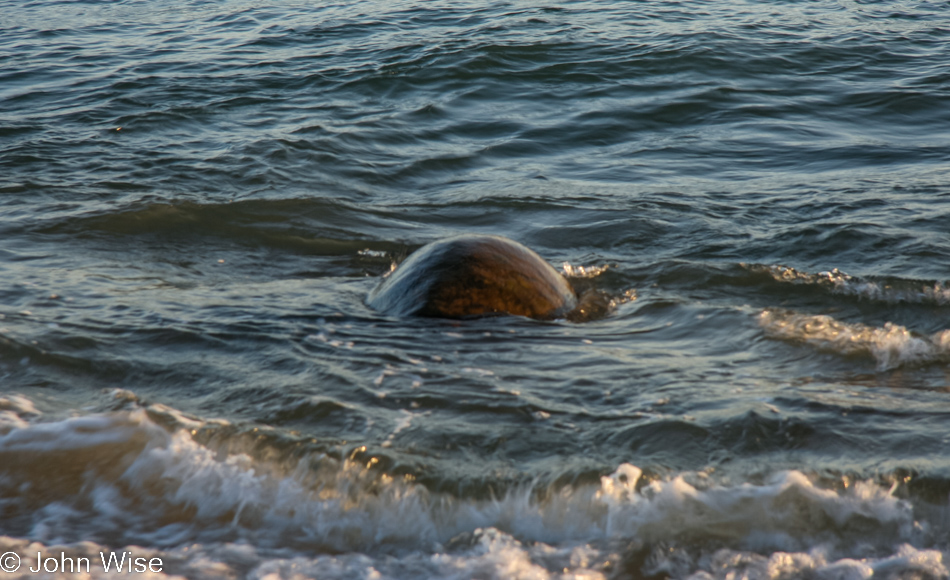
point(141, 477)
point(888, 290)
point(891, 345)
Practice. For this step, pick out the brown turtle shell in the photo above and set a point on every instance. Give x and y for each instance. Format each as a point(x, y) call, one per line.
point(471, 276)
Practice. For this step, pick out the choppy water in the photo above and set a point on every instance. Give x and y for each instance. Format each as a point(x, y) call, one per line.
point(196, 198)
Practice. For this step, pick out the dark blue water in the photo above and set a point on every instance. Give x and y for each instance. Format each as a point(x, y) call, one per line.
point(196, 199)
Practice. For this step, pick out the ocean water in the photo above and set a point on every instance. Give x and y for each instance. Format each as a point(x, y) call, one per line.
point(196, 198)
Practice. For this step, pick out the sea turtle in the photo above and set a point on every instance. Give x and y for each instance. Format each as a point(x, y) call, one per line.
point(471, 276)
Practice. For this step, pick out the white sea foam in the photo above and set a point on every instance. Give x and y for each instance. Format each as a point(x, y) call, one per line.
point(15, 412)
point(349, 506)
point(891, 345)
point(906, 562)
point(572, 271)
point(126, 477)
point(837, 282)
point(490, 554)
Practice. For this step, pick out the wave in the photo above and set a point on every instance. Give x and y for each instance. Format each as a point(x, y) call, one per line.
point(891, 345)
point(878, 289)
point(490, 554)
point(13, 411)
point(142, 477)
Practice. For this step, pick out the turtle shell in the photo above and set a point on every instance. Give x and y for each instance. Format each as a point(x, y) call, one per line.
point(472, 276)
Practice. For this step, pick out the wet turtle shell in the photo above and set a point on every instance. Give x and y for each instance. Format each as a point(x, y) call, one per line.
point(471, 276)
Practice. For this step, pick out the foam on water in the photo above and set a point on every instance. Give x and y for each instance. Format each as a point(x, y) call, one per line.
point(12, 410)
point(889, 291)
point(492, 554)
point(572, 271)
point(891, 345)
point(139, 477)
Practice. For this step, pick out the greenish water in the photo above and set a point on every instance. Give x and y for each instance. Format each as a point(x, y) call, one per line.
point(196, 199)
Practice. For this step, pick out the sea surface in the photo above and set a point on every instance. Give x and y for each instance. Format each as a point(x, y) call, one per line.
point(196, 198)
